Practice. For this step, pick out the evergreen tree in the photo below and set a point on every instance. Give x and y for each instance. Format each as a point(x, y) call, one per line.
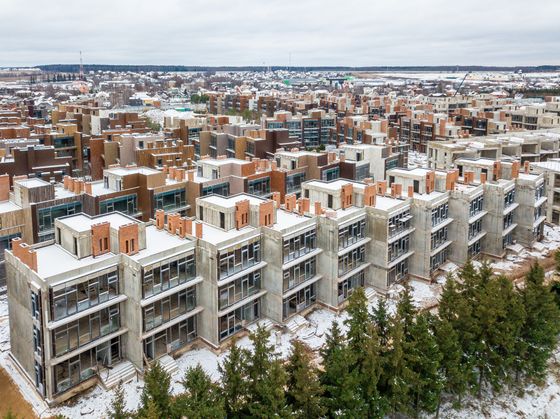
point(424, 360)
point(501, 316)
point(397, 376)
point(304, 391)
point(118, 407)
point(340, 380)
point(157, 389)
point(381, 320)
point(406, 311)
point(452, 368)
point(539, 333)
point(201, 399)
point(150, 411)
point(233, 373)
point(364, 345)
point(266, 379)
point(358, 323)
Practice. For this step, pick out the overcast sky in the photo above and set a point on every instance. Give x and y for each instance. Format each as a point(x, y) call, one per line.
point(253, 32)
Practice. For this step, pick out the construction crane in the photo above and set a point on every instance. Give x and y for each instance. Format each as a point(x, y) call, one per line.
point(461, 85)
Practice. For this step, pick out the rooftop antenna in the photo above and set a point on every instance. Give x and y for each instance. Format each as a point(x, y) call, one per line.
point(81, 67)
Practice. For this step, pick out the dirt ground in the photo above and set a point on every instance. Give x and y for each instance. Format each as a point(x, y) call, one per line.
point(12, 400)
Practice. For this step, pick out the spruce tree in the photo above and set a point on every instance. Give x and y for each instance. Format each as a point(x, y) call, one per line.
point(539, 333)
point(424, 358)
point(157, 389)
point(233, 372)
point(406, 311)
point(150, 411)
point(381, 320)
point(118, 407)
point(363, 343)
point(340, 380)
point(201, 399)
point(501, 316)
point(397, 375)
point(358, 323)
point(304, 391)
point(266, 378)
point(455, 377)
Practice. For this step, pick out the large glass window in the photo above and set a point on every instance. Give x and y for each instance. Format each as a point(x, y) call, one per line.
point(399, 223)
point(351, 234)
point(126, 204)
point(509, 198)
point(164, 275)
point(293, 182)
point(171, 339)
point(259, 187)
point(299, 245)
point(85, 330)
point(440, 214)
point(170, 200)
point(169, 308)
point(476, 205)
point(239, 289)
point(351, 260)
point(231, 323)
point(238, 258)
point(70, 299)
point(398, 248)
point(346, 287)
point(299, 301)
point(46, 217)
point(438, 238)
point(217, 189)
point(299, 273)
point(83, 366)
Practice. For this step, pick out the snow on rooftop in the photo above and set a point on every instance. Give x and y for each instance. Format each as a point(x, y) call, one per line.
point(32, 183)
point(81, 222)
point(54, 260)
point(286, 220)
point(229, 202)
point(158, 241)
point(216, 236)
point(8, 206)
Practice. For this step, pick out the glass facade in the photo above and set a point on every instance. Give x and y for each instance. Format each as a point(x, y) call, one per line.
point(85, 330)
point(164, 275)
point(239, 289)
point(126, 204)
point(299, 245)
point(238, 258)
point(83, 366)
point(169, 308)
point(299, 301)
point(170, 200)
point(71, 299)
point(231, 323)
point(46, 217)
point(218, 189)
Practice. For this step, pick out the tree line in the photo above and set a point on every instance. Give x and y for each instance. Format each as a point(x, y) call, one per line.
point(487, 334)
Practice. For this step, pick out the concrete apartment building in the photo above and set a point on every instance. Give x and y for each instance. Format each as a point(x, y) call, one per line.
point(531, 146)
point(534, 117)
point(311, 130)
point(106, 297)
point(551, 171)
point(373, 231)
point(430, 211)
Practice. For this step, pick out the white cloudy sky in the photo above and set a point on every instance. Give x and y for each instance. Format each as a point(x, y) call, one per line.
point(253, 32)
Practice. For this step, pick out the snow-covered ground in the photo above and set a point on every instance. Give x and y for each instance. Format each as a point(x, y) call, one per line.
point(536, 402)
